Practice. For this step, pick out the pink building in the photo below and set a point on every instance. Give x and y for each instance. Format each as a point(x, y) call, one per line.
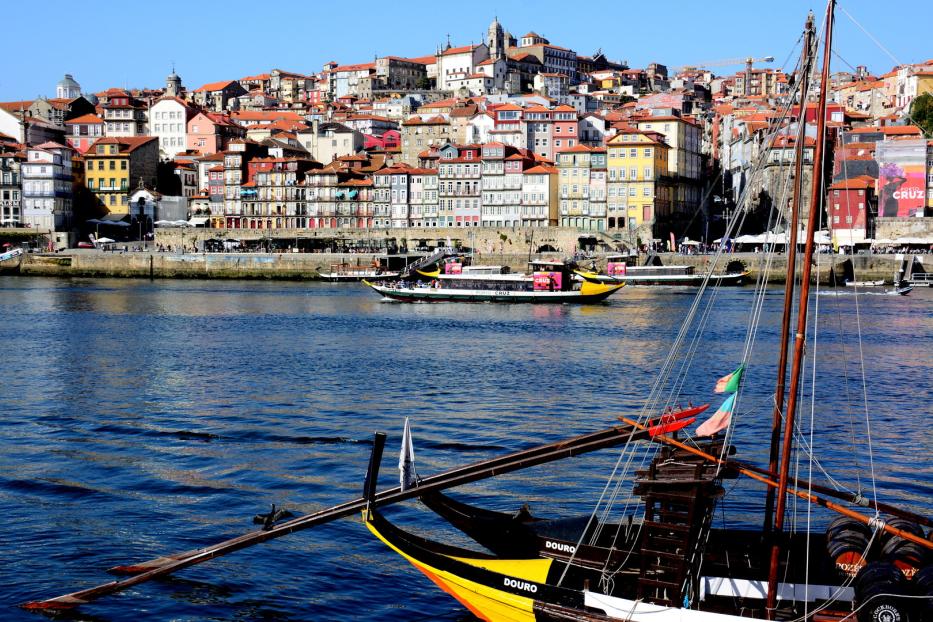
point(565, 129)
point(210, 132)
point(83, 131)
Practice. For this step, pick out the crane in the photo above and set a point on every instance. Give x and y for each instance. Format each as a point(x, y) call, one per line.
point(748, 62)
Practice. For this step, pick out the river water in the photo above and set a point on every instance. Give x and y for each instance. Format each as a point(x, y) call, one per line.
point(142, 418)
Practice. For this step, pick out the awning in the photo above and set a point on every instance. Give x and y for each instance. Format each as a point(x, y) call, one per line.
point(171, 223)
point(198, 221)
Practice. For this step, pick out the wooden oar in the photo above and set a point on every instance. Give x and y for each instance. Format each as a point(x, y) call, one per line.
point(806, 496)
point(168, 564)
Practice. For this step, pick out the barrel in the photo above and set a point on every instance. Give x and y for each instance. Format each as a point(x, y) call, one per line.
point(923, 586)
point(844, 523)
point(877, 589)
point(848, 550)
point(908, 556)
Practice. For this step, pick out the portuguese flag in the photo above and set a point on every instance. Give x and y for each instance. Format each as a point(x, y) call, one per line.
point(730, 383)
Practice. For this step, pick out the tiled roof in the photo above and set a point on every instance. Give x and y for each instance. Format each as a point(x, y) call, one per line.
point(91, 119)
point(215, 86)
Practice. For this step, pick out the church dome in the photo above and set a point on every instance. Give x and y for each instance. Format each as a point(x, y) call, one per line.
point(68, 82)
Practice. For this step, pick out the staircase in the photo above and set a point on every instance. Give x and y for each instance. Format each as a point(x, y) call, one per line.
point(680, 491)
point(425, 261)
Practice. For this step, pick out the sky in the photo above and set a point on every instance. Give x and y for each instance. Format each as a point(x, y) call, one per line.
point(130, 43)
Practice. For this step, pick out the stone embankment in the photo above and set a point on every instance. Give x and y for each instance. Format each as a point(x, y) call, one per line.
point(306, 266)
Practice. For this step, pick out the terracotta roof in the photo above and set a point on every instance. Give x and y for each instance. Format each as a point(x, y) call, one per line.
point(901, 130)
point(357, 67)
point(854, 183)
point(85, 118)
point(127, 144)
point(541, 169)
point(16, 106)
point(215, 86)
point(463, 49)
point(423, 60)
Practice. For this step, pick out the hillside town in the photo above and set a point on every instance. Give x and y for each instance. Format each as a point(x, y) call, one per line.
point(512, 132)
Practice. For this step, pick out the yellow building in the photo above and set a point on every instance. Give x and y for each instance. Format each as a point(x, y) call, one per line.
point(638, 188)
point(582, 186)
point(114, 168)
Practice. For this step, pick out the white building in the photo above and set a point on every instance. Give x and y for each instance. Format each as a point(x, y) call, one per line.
point(455, 64)
point(168, 121)
point(47, 187)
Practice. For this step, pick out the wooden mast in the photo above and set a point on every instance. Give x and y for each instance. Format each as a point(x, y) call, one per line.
point(800, 336)
point(805, 66)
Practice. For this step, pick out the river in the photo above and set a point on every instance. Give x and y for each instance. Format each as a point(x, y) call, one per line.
point(142, 418)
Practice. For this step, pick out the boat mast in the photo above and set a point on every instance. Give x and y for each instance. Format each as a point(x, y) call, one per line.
point(805, 67)
point(799, 337)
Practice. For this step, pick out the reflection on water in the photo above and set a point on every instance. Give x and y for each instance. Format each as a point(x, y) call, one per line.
point(148, 417)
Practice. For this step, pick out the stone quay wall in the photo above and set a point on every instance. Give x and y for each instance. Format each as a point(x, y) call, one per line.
point(306, 266)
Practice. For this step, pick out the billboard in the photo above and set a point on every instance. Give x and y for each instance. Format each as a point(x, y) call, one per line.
point(901, 178)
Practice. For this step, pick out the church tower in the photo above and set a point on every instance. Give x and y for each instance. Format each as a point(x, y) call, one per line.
point(496, 40)
point(173, 84)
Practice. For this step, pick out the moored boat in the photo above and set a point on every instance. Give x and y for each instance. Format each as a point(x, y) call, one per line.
point(382, 268)
point(618, 269)
point(10, 260)
point(548, 282)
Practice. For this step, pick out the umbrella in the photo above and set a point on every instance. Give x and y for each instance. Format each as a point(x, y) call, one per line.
point(7, 245)
point(105, 241)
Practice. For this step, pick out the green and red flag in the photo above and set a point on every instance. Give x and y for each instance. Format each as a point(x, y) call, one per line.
point(730, 382)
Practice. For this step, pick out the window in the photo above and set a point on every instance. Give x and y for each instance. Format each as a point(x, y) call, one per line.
point(646, 191)
point(633, 152)
point(836, 219)
point(122, 165)
point(113, 165)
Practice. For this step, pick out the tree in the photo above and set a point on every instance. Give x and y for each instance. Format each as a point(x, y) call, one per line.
point(921, 112)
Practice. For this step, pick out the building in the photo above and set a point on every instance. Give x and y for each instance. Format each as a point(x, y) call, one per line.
point(236, 169)
point(420, 134)
point(454, 64)
point(219, 96)
point(582, 186)
point(168, 121)
point(123, 115)
point(278, 199)
point(540, 196)
point(47, 187)
point(502, 184)
point(638, 190)
point(11, 206)
point(459, 179)
point(84, 131)
point(328, 141)
point(850, 208)
point(553, 58)
point(212, 132)
point(684, 136)
point(911, 81)
point(114, 166)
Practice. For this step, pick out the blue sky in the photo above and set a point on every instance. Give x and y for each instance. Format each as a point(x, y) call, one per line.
point(213, 40)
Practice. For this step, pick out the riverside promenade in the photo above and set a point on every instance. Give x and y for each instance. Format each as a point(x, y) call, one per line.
point(306, 266)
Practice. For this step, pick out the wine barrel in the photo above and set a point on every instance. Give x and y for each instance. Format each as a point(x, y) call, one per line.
point(923, 586)
point(908, 556)
point(844, 523)
point(878, 587)
point(904, 525)
point(848, 551)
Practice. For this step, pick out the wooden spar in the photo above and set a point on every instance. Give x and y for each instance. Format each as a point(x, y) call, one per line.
point(168, 564)
point(816, 191)
point(805, 66)
point(806, 496)
point(845, 496)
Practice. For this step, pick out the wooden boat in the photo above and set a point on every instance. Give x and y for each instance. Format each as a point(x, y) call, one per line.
point(548, 282)
point(677, 568)
point(618, 270)
point(669, 565)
